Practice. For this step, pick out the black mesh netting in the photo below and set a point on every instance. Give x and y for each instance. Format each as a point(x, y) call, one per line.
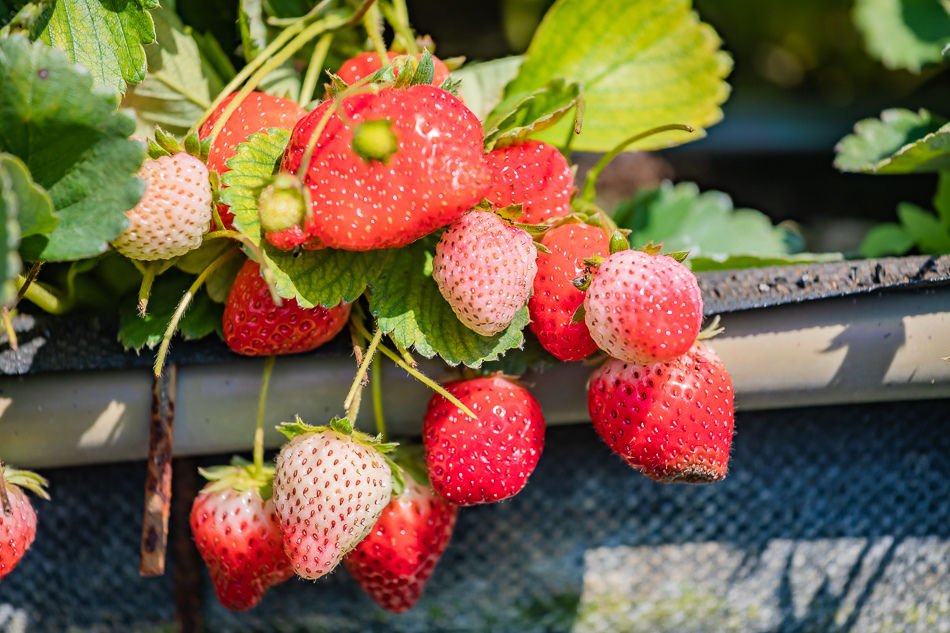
point(832, 519)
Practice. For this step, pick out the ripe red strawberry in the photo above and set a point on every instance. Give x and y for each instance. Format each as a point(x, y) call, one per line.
point(487, 459)
point(255, 326)
point(18, 530)
point(330, 487)
point(643, 308)
point(672, 421)
point(390, 167)
point(395, 561)
point(533, 174)
point(238, 535)
point(484, 267)
point(366, 64)
point(555, 299)
point(257, 113)
point(174, 212)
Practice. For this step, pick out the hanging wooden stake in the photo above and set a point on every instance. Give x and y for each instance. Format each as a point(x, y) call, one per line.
point(158, 489)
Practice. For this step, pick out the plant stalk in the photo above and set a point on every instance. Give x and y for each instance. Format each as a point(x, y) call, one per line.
point(376, 384)
point(261, 407)
point(315, 68)
point(361, 372)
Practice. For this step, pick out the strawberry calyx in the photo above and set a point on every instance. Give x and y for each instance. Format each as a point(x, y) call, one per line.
point(618, 242)
point(26, 479)
point(283, 203)
point(711, 330)
point(166, 144)
point(240, 475)
point(343, 426)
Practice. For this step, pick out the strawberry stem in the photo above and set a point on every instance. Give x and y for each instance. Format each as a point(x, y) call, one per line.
point(42, 297)
point(373, 22)
point(398, 18)
point(258, 255)
point(261, 407)
point(590, 183)
point(27, 282)
point(8, 328)
point(145, 289)
point(358, 381)
point(4, 498)
point(376, 384)
point(183, 305)
point(314, 68)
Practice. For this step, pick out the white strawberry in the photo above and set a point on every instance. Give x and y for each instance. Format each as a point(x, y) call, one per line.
point(330, 486)
point(485, 269)
point(174, 212)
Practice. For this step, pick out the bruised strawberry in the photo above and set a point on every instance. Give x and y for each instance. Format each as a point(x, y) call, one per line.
point(395, 561)
point(388, 168)
point(672, 421)
point(533, 174)
point(555, 299)
point(255, 326)
point(257, 112)
point(366, 64)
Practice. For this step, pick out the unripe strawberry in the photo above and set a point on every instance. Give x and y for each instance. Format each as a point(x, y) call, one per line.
point(533, 174)
point(329, 490)
point(672, 421)
point(643, 308)
point(485, 267)
point(174, 212)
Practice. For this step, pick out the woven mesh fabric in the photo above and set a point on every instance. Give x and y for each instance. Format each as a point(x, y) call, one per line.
point(831, 519)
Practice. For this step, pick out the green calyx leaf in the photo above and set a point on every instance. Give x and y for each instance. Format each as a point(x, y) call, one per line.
point(900, 142)
point(105, 36)
point(72, 141)
point(409, 308)
point(582, 282)
point(425, 70)
point(375, 140)
point(156, 151)
point(903, 34)
point(618, 242)
point(167, 142)
point(283, 203)
point(343, 426)
point(26, 479)
point(642, 63)
point(510, 213)
point(579, 314)
point(241, 475)
point(679, 256)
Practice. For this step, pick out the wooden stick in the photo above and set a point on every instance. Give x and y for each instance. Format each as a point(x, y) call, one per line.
point(158, 493)
point(187, 566)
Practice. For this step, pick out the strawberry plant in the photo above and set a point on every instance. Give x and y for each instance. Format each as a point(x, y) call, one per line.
point(415, 202)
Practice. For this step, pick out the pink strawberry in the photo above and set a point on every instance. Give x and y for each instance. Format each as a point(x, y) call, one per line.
point(330, 487)
point(389, 167)
point(395, 561)
point(255, 326)
point(366, 64)
point(484, 267)
point(555, 299)
point(643, 308)
point(174, 212)
point(18, 530)
point(671, 420)
point(238, 535)
point(486, 459)
point(533, 174)
point(257, 113)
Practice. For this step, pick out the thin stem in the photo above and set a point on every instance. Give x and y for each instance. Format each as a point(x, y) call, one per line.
point(183, 305)
point(43, 297)
point(373, 23)
point(30, 278)
point(406, 356)
point(361, 372)
point(376, 384)
point(590, 183)
point(4, 499)
point(261, 407)
point(146, 288)
point(401, 26)
point(310, 15)
point(8, 327)
point(315, 68)
point(258, 255)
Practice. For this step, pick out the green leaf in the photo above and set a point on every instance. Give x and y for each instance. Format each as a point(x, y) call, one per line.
point(34, 207)
point(732, 262)
point(409, 307)
point(642, 63)
point(517, 362)
point(75, 145)
point(202, 318)
point(705, 224)
point(105, 36)
point(524, 114)
point(11, 179)
point(900, 142)
point(254, 37)
point(941, 200)
point(181, 81)
point(903, 34)
point(886, 239)
point(483, 84)
point(925, 229)
point(312, 277)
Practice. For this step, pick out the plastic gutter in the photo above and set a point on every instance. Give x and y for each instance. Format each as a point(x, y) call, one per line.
point(850, 332)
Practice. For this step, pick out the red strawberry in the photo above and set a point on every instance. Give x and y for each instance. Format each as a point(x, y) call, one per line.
point(366, 64)
point(18, 530)
point(238, 535)
point(255, 326)
point(330, 487)
point(555, 299)
point(484, 267)
point(487, 459)
point(533, 174)
point(256, 113)
point(643, 308)
point(394, 562)
point(390, 167)
point(672, 421)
